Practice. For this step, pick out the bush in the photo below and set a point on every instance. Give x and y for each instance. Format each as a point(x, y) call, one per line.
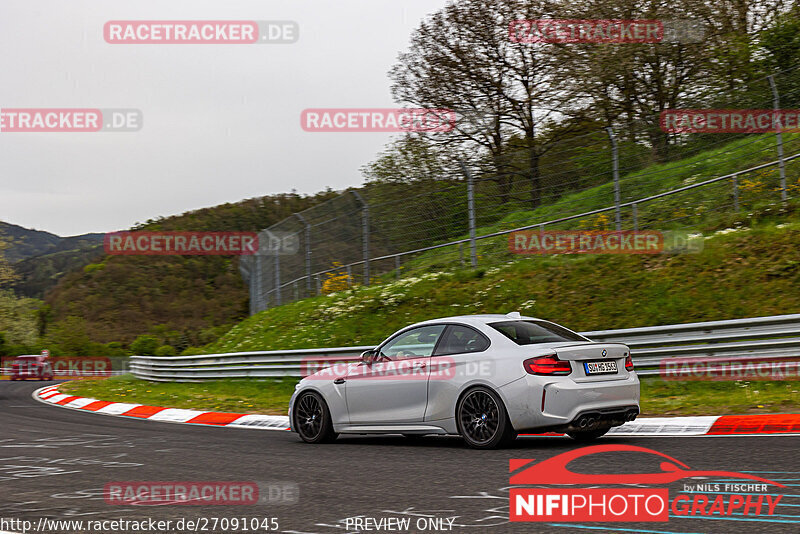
point(144, 346)
point(115, 348)
point(166, 350)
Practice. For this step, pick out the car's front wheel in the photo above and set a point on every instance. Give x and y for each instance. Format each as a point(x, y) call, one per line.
point(483, 421)
point(312, 420)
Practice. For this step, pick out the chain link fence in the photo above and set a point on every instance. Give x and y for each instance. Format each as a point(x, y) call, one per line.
point(607, 179)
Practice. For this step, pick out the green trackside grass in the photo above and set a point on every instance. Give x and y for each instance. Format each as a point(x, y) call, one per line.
point(668, 398)
point(269, 396)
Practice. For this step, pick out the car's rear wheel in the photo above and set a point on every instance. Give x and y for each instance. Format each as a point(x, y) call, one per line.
point(587, 435)
point(312, 420)
point(482, 420)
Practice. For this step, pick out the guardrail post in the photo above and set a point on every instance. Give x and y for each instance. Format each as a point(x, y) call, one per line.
point(635, 216)
point(364, 234)
point(776, 104)
point(397, 266)
point(307, 239)
point(615, 169)
point(319, 287)
point(735, 193)
point(461, 253)
point(473, 251)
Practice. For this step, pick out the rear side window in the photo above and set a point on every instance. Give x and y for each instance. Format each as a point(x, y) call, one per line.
point(459, 339)
point(532, 332)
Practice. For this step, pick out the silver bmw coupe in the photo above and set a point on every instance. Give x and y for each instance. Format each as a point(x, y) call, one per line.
point(484, 377)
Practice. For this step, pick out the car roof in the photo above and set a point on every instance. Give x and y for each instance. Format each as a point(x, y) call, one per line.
point(478, 319)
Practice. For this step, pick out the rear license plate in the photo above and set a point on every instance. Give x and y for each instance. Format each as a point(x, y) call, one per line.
point(600, 368)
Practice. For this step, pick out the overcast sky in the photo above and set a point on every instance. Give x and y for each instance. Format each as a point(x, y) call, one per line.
point(221, 122)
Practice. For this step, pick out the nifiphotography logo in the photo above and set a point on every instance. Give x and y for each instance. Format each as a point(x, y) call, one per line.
point(628, 499)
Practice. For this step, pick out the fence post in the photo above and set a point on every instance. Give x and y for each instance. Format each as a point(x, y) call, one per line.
point(277, 278)
point(473, 252)
point(246, 270)
point(615, 168)
point(635, 216)
point(736, 192)
point(307, 239)
point(776, 103)
point(259, 295)
point(364, 234)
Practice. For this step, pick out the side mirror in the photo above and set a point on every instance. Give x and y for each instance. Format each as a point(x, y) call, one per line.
point(368, 356)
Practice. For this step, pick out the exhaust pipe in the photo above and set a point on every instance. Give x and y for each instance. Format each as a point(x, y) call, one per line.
point(583, 421)
point(590, 421)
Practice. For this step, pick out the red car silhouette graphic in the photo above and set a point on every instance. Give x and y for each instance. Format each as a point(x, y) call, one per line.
point(554, 470)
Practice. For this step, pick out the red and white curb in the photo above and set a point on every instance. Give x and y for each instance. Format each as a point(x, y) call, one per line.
point(51, 395)
point(707, 425)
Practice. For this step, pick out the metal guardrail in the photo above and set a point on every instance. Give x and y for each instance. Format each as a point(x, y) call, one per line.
point(756, 339)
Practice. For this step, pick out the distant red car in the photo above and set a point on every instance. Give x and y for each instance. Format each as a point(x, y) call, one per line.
point(34, 366)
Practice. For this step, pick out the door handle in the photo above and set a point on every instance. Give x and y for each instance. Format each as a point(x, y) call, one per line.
point(419, 366)
point(339, 381)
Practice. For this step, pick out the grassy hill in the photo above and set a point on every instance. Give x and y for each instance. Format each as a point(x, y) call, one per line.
point(739, 273)
point(26, 243)
point(185, 300)
point(190, 301)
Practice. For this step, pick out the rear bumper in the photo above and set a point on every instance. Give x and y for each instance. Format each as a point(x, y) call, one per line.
point(539, 403)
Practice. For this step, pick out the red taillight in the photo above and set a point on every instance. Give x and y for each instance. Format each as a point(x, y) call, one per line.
point(628, 363)
point(547, 365)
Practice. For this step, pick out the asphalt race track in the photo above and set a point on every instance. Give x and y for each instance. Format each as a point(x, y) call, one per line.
point(54, 463)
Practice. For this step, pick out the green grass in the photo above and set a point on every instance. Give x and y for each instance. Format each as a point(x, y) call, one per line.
point(739, 273)
point(665, 398)
point(269, 396)
point(697, 209)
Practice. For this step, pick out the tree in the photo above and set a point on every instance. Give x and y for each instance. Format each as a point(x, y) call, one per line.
point(144, 345)
point(462, 59)
point(7, 274)
point(70, 337)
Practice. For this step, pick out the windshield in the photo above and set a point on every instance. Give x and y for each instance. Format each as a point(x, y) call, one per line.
point(531, 332)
